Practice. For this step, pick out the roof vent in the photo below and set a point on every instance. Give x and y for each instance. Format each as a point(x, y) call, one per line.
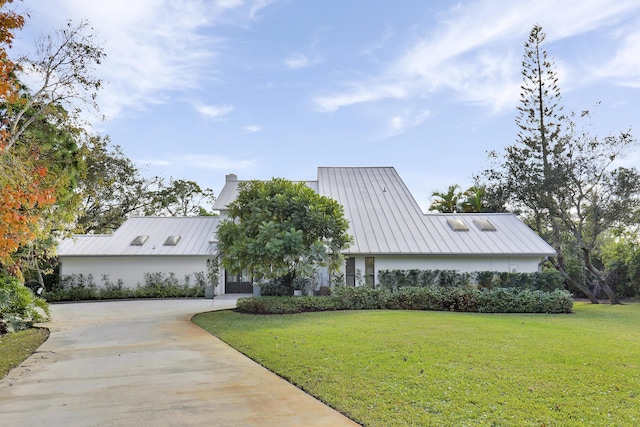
point(139, 240)
point(484, 225)
point(172, 241)
point(457, 225)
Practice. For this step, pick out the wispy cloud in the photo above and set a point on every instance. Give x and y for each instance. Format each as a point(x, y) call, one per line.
point(216, 112)
point(401, 123)
point(252, 129)
point(474, 54)
point(297, 60)
point(623, 67)
point(156, 48)
point(199, 161)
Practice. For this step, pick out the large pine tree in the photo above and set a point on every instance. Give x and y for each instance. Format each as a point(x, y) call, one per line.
point(561, 178)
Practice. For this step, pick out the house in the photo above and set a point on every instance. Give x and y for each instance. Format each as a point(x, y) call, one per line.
point(390, 231)
point(179, 245)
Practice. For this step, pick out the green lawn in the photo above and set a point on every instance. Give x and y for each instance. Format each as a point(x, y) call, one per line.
point(16, 347)
point(385, 368)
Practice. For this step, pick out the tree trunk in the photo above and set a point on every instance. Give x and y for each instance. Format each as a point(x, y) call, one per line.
point(613, 299)
point(559, 265)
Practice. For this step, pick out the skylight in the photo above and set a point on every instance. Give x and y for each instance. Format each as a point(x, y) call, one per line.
point(139, 240)
point(484, 225)
point(457, 225)
point(172, 241)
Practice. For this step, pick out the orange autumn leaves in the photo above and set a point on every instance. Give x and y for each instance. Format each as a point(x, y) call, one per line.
point(23, 188)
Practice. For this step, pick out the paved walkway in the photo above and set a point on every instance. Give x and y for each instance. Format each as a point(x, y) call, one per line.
point(143, 363)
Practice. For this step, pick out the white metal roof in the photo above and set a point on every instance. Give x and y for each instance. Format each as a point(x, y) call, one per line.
point(195, 233)
point(384, 218)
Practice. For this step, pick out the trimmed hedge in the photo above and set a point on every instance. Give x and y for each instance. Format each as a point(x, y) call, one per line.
point(396, 279)
point(462, 299)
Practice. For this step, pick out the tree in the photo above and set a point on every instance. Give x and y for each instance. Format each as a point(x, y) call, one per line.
point(474, 201)
point(53, 146)
point(446, 202)
point(562, 179)
point(9, 22)
point(38, 155)
point(112, 189)
point(282, 230)
point(63, 66)
point(181, 198)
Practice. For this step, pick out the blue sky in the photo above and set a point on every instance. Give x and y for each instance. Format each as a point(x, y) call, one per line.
point(198, 89)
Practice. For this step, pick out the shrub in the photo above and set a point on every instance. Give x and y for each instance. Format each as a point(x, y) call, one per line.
point(19, 307)
point(435, 298)
point(396, 279)
point(274, 288)
point(157, 285)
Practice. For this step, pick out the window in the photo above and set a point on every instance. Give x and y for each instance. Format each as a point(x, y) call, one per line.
point(351, 271)
point(139, 240)
point(172, 241)
point(457, 225)
point(484, 225)
point(369, 271)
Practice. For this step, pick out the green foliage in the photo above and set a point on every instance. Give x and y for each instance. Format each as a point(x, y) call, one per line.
point(462, 299)
point(19, 307)
point(181, 198)
point(621, 259)
point(157, 285)
point(275, 288)
point(282, 230)
point(395, 279)
point(562, 179)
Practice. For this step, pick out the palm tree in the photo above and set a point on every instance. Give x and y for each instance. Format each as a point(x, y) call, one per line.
point(475, 199)
point(446, 202)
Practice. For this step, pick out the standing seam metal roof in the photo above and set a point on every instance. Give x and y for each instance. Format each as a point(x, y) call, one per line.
point(383, 216)
point(196, 234)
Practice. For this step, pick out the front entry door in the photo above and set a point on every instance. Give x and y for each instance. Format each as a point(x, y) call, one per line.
point(238, 283)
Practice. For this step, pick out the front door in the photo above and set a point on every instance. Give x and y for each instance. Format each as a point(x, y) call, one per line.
point(238, 283)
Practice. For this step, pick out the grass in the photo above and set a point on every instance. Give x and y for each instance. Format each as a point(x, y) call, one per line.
point(16, 347)
point(392, 368)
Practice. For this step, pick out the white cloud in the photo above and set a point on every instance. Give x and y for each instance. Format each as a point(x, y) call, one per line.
point(155, 48)
point(252, 129)
point(359, 94)
point(623, 67)
point(216, 112)
point(401, 123)
point(297, 60)
point(475, 52)
point(257, 6)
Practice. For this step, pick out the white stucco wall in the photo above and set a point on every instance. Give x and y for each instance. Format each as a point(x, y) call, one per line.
point(131, 270)
point(462, 264)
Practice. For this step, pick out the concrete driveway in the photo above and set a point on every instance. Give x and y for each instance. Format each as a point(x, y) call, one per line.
point(143, 363)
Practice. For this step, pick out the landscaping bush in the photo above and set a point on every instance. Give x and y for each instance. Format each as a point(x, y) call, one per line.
point(157, 285)
point(396, 279)
point(286, 304)
point(462, 299)
point(19, 307)
point(276, 289)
